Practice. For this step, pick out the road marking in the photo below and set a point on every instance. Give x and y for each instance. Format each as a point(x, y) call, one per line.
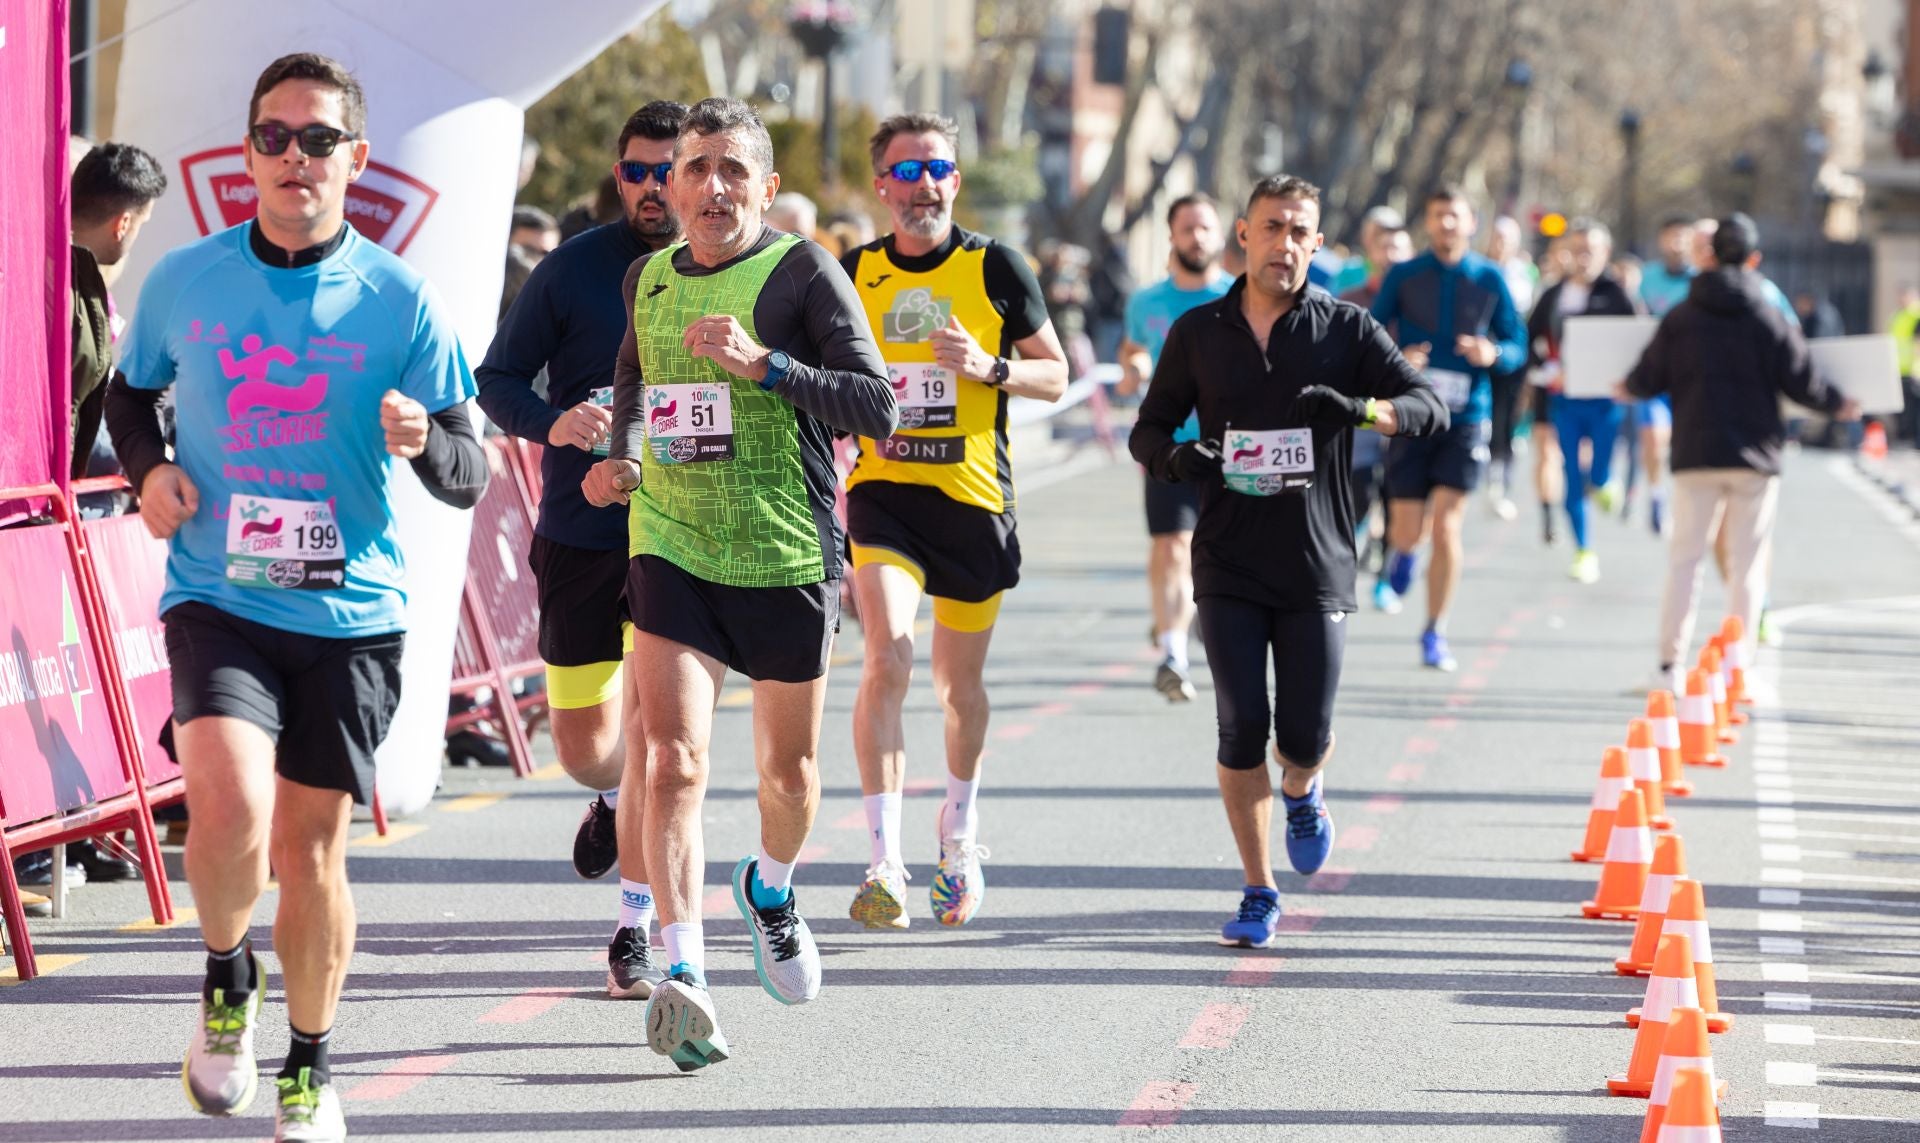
point(1406, 772)
point(1216, 1026)
point(399, 1079)
point(1014, 731)
point(185, 914)
point(396, 833)
point(738, 696)
point(548, 773)
point(1788, 853)
point(1781, 922)
point(1803, 1036)
point(1781, 1113)
point(1778, 972)
point(1420, 745)
point(1782, 946)
point(1359, 837)
point(1050, 710)
point(1254, 971)
point(1792, 1073)
point(526, 1006)
point(1774, 832)
point(1330, 880)
point(1385, 803)
point(1473, 682)
point(853, 819)
point(1779, 896)
point(1442, 723)
point(1787, 1002)
point(1301, 920)
point(10, 975)
point(1159, 1104)
point(473, 802)
point(1085, 690)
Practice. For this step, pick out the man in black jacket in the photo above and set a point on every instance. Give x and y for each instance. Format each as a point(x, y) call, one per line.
point(1726, 355)
point(1283, 374)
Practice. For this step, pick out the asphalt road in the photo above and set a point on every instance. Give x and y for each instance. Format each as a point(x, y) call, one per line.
point(1434, 983)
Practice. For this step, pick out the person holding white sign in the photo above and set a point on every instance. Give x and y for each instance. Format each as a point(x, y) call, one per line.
point(1280, 375)
point(1588, 289)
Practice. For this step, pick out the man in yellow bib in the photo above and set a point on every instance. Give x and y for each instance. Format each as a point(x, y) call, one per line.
point(930, 508)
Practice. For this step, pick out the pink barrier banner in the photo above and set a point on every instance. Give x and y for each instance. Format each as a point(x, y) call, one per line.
point(57, 748)
point(35, 436)
point(497, 565)
point(132, 566)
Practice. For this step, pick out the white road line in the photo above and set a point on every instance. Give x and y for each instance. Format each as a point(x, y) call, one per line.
point(1792, 1073)
point(1781, 972)
point(1781, 1113)
point(1780, 923)
point(1782, 946)
point(1803, 1036)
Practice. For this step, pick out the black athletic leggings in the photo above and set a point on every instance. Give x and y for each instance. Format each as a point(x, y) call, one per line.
point(1507, 388)
point(1306, 648)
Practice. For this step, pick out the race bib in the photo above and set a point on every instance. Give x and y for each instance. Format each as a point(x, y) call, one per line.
point(602, 398)
point(925, 394)
point(284, 544)
point(1451, 386)
point(1268, 462)
point(690, 424)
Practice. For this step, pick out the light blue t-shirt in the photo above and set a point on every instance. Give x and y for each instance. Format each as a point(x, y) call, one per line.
point(1662, 289)
point(1150, 314)
point(278, 376)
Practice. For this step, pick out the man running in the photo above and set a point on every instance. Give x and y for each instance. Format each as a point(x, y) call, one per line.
point(1449, 308)
point(747, 351)
point(1663, 285)
point(1588, 289)
point(569, 321)
point(1388, 244)
point(303, 359)
point(1281, 375)
point(1194, 278)
point(930, 508)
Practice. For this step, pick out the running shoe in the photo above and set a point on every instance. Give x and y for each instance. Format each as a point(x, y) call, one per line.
point(783, 950)
point(1766, 632)
point(959, 886)
point(882, 900)
point(631, 973)
point(1309, 830)
point(1434, 652)
point(596, 844)
point(1170, 680)
point(1385, 598)
point(1506, 509)
point(1608, 498)
point(1665, 678)
point(1657, 515)
point(309, 1112)
point(219, 1073)
point(1400, 567)
point(1256, 922)
point(1586, 566)
point(681, 1024)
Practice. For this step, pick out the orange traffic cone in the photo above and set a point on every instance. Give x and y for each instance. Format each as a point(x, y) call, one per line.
point(1687, 916)
point(1666, 740)
point(1733, 645)
point(1629, 852)
point(1873, 442)
point(1711, 661)
point(1614, 781)
point(1691, 1115)
point(1643, 762)
point(1669, 864)
point(1685, 1047)
point(1697, 745)
point(1670, 987)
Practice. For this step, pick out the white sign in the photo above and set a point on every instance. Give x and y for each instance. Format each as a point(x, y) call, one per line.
point(1865, 367)
point(1597, 353)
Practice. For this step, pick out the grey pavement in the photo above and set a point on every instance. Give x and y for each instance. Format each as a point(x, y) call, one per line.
point(1435, 983)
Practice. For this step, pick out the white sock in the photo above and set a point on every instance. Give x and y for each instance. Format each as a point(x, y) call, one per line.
point(960, 816)
point(883, 826)
point(611, 797)
point(636, 905)
point(775, 875)
point(685, 944)
point(1174, 646)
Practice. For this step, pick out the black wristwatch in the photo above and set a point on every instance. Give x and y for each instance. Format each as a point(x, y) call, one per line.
point(1001, 371)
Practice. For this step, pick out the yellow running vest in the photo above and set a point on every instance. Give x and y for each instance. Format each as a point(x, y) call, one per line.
point(953, 432)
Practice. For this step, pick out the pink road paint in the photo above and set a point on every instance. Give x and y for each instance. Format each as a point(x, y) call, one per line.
point(1085, 690)
point(854, 820)
point(1458, 701)
point(1216, 1026)
point(1051, 709)
point(1255, 970)
point(1421, 745)
point(1359, 837)
point(1014, 732)
point(1299, 920)
point(399, 1079)
point(812, 853)
point(1441, 723)
point(717, 902)
point(526, 1006)
point(1473, 682)
point(1498, 649)
point(1159, 1104)
point(1407, 772)
point(1117, 670)
point(1385, 804)
point(1504, 632)
point(920, 787)
point(1330, 880)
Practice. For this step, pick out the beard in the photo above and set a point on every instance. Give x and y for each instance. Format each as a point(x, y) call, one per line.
point(927, 224)
point(1196, 263)
point(657, 231)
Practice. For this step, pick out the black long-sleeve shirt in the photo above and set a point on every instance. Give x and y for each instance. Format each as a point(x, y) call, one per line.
point(1293, 551)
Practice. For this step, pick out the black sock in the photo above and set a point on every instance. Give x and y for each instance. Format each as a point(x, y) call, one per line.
point(308, 1050)
point(230, 971)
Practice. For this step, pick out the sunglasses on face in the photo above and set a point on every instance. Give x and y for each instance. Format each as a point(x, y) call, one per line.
point(317, 140)
point(909, 170)
point(637, 172)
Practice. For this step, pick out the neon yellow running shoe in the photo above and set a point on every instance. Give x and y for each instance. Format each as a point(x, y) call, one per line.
point(881, 902)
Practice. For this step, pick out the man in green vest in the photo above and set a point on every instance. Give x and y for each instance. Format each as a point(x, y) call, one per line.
point(748, 350)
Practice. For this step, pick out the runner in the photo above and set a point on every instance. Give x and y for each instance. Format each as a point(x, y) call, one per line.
point(1588, 289)
point(1663, 285)
point(568, 321)
point(285, 598)
point(1388, 244)
point(1508, 250)
point(1449, 308)
point(930, 509)
point(1194, 277)
point(1282, 374)
point(747, 351)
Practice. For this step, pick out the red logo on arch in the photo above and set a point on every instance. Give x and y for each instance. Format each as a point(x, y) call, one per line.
point(386, 205)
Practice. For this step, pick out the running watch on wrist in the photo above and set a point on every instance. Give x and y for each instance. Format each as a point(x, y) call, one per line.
point(1373, 414)
point(778, 365)
point(1001, 370)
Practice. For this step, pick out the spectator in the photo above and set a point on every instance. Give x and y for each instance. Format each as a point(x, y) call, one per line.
point(603, 208)
point(853, 228)
point(794, 213)
point(1819, 317)
point(534, 231)
point(1905, 328)
point(1109, 284)
point(1358, 271)
point(113, 188)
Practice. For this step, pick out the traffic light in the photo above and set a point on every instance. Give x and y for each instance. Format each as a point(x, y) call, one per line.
point(1552, 224)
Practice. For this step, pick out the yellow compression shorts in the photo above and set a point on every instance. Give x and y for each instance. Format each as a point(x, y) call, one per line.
point(953, 614)
point(588, 685)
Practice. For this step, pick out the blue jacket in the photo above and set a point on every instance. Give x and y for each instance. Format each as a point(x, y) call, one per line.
point(1425, 300)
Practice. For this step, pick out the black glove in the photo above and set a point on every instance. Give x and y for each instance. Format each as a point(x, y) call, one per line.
point(1194, 461)
point(1325, 405)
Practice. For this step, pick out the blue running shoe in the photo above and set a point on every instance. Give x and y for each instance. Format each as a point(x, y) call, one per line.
point(1309, 830)
point(1400, 572)
point(1434, 653)
point(1385, 598)
point(1259, 917)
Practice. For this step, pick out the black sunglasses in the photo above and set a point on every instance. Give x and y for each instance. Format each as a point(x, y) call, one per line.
point(632, 171)
point(909, 170)
point(317, 140)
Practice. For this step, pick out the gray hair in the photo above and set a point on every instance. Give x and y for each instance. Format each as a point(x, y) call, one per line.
point(1386, 218)
point(1593, 228)
point(911, 123)
point(719, 116)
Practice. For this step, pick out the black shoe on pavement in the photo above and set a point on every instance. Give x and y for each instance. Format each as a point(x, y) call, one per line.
point(1173, 682)
point(36, 868)
point(596, 845)
point(631, 973)
point(100, 866)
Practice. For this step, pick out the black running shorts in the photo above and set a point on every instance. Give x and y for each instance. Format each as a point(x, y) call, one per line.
point(1171, 507)
point(965, 552)
point(580, 611)
point(768, 634)
point(1305, 648)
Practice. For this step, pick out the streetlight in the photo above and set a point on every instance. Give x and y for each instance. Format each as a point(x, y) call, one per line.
point(1630, 179)
point(822, 28)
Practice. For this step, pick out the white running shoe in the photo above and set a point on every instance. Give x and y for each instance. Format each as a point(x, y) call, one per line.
point(959, 886)
point(783, 950)
point(681, 1024)
point(882, 900)
point(219, 1073)
point(308, 1112)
